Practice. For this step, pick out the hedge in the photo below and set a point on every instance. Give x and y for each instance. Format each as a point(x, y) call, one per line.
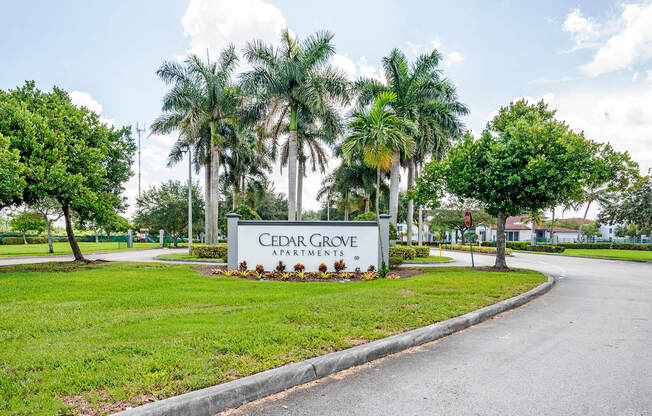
point(546, 248)
point(395, 261)
point(407, 253)
point(218, 251)
point(514, 245)
point(19, 240)
point(486, 250)
point(611, 245)
point(421, 251)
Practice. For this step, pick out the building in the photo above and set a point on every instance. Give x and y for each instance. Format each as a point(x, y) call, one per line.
point(517, 230)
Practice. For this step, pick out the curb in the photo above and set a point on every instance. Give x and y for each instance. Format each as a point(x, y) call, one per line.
point(215, 262)
point(587, 257)
point(425, 263)
point(212, 400)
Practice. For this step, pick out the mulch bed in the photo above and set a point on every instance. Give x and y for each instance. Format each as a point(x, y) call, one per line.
point(208, 270)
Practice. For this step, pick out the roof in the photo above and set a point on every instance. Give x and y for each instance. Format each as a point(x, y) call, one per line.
point(514, 223)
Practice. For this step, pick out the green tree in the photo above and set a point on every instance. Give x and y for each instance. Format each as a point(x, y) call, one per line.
point(26, 221)
point(68, 153)
point(377, 134)
point(202, 95)
point(524, 161)
point(634, 208)
point(51, 212)
point(293, 76)
point(428, 100)
point(116, 224)
point(12, 170)
point(166, 207)
point(451, 218)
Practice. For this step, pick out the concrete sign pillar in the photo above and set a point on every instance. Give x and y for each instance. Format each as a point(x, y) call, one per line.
point(161, 237)
point(130, 239)
point(384, 237)
point(232, 240)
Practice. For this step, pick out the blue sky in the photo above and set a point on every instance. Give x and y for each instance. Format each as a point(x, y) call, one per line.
point(590, 59)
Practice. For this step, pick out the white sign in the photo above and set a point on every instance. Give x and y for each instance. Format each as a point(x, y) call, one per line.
point(309, 244)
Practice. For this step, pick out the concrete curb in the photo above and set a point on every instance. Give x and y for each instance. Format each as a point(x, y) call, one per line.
point(585, 257)
point(212, 400)
point(426, 263)
point(215, 262)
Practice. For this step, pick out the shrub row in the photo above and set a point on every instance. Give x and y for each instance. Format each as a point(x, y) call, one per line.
point(486, 250)
point(546, 248)
point(204, 251)
point(421, 251)
point(609, 245)
point(514, 245)
point(19, 240)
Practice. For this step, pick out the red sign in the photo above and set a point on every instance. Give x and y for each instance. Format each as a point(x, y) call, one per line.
point(467, 218)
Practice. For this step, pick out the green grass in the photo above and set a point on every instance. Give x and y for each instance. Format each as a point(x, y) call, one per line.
point(113, 331)
point(428, 259)
point(611, 253)
point(16, 250)
point(184, 256)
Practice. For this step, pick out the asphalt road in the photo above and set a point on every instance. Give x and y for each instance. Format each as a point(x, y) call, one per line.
point(585, 348)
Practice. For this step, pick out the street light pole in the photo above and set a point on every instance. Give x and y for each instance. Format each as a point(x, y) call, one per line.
point(189, 199)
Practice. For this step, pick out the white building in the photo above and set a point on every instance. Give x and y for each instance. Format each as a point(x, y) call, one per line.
point(517, 230)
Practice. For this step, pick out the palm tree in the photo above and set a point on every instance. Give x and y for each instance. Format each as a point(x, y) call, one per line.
point(601, 196)
point(294, 75)
point(328, 188)
point(424, 98)
point(204, 95)
point(378, 134)
point(535, 218)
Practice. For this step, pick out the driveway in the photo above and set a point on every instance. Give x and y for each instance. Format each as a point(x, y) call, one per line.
point(124, 255)
point(585, 348)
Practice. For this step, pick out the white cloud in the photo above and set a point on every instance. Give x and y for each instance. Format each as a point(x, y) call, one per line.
point(345, 64)
point(213, 25)
point(369, 71)
point(583, 30)
point(453, 58)
point(635, 76)
point(630, 43)
point(84, 99)
point(648, 78)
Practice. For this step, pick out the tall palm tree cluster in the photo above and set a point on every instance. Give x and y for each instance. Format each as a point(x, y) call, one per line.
point(290, 106)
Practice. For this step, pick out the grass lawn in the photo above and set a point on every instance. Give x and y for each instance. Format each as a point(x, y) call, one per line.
point(92, 335)
point(14, 250)
point(186, 256)
point(618, 254)
point(428, 259)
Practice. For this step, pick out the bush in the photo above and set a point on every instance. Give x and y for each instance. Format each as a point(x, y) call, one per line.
point(323, 268)
point(606, 245)
point(514, 245)
point(421, 251)
point(485, 250)
point(406, 253)
point(280, 267)
point(395, 260)
point(19, 240)
point(299, 267)
point(339, 265)
point(546, 248)
point(204, 251)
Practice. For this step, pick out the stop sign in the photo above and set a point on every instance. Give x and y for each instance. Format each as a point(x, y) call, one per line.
point(467, 218)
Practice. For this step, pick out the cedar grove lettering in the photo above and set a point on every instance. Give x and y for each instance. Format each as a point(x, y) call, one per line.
point(315, 240)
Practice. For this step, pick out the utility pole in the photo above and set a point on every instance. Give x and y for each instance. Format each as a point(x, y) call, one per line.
point(139, 130)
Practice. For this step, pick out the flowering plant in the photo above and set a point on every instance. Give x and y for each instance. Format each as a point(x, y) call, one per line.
point(369, 276)
point(260, 268)
point(299, 267)
point(280, 267)
point(230, 273)
point(392, 276)
point(243, 266)
point(339, 265)
point(323, 268)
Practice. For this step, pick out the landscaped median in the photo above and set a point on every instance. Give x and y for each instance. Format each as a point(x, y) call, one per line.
point(20, 250)
point(102, 337)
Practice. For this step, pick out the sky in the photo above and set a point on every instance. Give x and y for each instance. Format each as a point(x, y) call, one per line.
point(590, 60)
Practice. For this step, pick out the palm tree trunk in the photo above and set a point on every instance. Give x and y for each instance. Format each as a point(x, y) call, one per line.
point(76, 251)
point(393, 187)
point(234, 198)
point(302, 172)
point(420, 226)
point(366, 203)
point(500, 242)
point(346, 206)
point(328, 207)
point(214, 185)
point(579, 231)
point(380, 238)
point(410, 206)
point(292, 167)
point(97, 235)
point(207, 202)
point(243, 190)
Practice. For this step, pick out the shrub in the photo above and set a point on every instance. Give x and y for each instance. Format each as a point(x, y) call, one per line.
point(371, 268)
point(485, 250)
point(19, 240)
point(323, 268)
point(339, 265)
point(407, 253)
point(246, 213)
point(395, 260)
point(218, 251)
point(421, 251)
point(243, 266)
point(606, 245)
point(546, 249)
point(299, 267)
point(280, 267)
point(260, 268)
point(514, 245)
